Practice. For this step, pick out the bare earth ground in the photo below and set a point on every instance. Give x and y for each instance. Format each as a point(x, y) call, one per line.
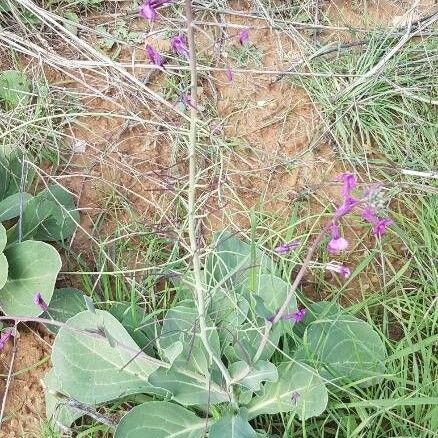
point(277, 155)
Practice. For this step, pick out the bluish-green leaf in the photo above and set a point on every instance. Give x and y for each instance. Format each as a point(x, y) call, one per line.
point(92, 371)
point(232, 426)
point(65, 303)
point(298, 389)
point(233, 263)
point(11, 206)
point(260, 372)
point(50, 216)
point(14, 89)
point(3, 260)
point(187, 386)
point(345, 347)
point(33, 268)
point(57, 412)
point(160, 420)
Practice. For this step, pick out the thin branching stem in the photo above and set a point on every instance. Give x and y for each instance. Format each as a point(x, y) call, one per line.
point(191, 204)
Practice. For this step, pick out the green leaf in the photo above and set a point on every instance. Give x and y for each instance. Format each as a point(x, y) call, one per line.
point(92, 371)
point(57, 411)
point(50, 216)
point(14, 89)
point(3, 238)
point(33, 267)
point(3, 261)
point(133, 318)
point(188, 387)
point(14, 176)
point(160, 420)
point(295, 381)
point(233, 262)
point(232, 427)
point(273, 290)
point(11, 206)
point(181, 324)
point(259, 372)
point(345, 347)
point(65, 303)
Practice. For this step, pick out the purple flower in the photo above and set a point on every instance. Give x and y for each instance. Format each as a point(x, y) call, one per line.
point(295, 396)
point(187, 100)
point(379, 229)
point(296, 316)
point(4, 338)
point(287, 247)
point(379, 225)
point(244, 36)
point(229, 73)
point(344, 271)
point(147, 11)
point(155, 57)
point(38, 300)
point(349, 183)
point(179, 45)
point(337, 243)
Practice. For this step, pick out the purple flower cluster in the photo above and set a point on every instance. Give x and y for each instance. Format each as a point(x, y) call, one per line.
point(338, 243)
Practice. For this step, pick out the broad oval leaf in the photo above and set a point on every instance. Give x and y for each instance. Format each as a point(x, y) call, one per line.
point(14, 88)
point(3, 238)
point(298, 389)
point(3, 270)
point(13, 205)
point(235, 264)
point(160, 420)
point(50, 216)
point(66, 302)
point(33, 267)
point(260, 372)
point(232, 427)
point(90, 369)
point(345, 347)
point(189, 387)
point(57, 412)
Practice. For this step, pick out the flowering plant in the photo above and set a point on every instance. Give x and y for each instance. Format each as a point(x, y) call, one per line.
point(98, 357)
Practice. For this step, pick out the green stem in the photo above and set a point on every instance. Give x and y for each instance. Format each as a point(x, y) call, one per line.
point(191, 205)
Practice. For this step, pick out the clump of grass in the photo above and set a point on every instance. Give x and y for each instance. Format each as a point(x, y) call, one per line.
point(392, 113)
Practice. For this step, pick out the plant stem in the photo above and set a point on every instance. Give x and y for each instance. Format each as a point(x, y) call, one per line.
point(191, 204)
point(292, 290)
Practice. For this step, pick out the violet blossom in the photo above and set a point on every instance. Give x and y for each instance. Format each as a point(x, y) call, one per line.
point(186, 99)
point(4, 338)
point(244, 36)
point(154, 56)
point(337, 243)
point(338, 268)
point(148, 9)
point(295, 396)
point(229, 73)
point(179, 45)
point(38, 300)
point(295, 316)
point(287, 247)
point(349, 183)
point(379, 224)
